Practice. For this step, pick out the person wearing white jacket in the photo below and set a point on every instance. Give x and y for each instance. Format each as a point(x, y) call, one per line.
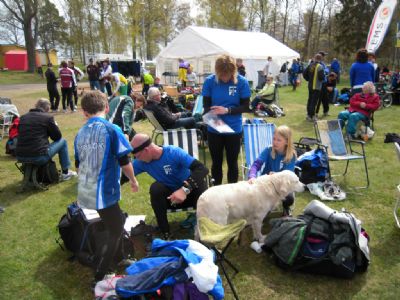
point(78, 75)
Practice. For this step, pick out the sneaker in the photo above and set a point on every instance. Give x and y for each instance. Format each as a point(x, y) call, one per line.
point(75, 108)
point(68, 176)
point(126, 262)
point(287, 212)
point(326, 115)
point(190, 221)
point(309, 119)
point(65, 111)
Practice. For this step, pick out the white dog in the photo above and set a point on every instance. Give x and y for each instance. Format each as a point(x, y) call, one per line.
point(227, 203)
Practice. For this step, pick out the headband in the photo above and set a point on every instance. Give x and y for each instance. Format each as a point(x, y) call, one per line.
point(142, 146)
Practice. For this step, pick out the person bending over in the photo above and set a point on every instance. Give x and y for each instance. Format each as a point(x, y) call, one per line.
point(180, 179)
point(276, 158)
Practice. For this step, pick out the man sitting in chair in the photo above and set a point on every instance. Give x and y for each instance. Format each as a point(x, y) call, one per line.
point(35, 128)
point(361, 107)
point(167, 119)
point(180, 179)
point(266, 94)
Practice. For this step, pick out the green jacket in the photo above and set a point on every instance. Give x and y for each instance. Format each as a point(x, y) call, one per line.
point(122, 112)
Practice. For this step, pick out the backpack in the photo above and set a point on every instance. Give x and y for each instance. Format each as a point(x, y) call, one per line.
point(312, 166)
point(306, 73)
point(283, 68)
point(48, 173)
point(85, 238)
point(320, 246)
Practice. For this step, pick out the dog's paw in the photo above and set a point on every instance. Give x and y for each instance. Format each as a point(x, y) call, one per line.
point(261, 239)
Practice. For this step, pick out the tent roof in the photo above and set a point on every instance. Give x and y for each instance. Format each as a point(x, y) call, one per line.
point(201, 41)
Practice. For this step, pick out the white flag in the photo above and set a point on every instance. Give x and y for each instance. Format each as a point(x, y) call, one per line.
point(380, 25)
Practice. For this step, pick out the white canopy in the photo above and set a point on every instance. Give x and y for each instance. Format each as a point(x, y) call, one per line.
point(200, 46)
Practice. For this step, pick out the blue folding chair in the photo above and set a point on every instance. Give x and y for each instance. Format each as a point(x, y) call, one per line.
point(329, 133)
point(258, 135)
point(198, 107)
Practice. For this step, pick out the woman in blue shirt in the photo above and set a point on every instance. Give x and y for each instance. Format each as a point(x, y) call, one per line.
point(281, 156)
point(361, 71)
point(227, 95)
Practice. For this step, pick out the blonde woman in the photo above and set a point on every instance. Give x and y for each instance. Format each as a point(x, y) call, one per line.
point(227, 95)
point(278, 157)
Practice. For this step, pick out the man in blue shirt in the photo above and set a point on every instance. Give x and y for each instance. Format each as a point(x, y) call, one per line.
point(180, 179)
point(101, 150)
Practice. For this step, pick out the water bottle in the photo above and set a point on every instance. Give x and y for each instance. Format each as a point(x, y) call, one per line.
point(256, 246)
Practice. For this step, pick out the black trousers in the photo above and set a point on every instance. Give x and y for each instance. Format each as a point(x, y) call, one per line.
point(313, 96)
point(75, 93)
point(231, 143)
point(67, 98)
point(114, 220)
point(54, 95)
point(324, 99)
point(158, 196)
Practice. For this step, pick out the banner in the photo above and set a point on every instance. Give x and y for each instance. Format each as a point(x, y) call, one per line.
point(380, 25)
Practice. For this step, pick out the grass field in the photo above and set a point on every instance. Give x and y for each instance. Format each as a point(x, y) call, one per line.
point(34, 267)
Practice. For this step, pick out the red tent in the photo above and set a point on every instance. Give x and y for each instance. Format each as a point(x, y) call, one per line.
point(17, 60)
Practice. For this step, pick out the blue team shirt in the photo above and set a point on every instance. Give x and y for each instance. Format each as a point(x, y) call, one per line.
point(277, 164)
point(227, 95)
point(98, 146)
point(360, 73)
point(171, 169)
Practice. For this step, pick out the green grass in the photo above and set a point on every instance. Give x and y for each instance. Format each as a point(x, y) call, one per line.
point(34, 267)
point(20, 77)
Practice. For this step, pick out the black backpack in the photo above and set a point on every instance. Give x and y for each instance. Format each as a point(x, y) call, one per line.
point(48, 173)
point(85, 238)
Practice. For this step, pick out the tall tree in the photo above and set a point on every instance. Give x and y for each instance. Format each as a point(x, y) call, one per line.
point(25, 11)
point(52, 27)
point(224, 14)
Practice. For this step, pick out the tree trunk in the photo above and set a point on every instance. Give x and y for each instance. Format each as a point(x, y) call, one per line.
point(30, 47)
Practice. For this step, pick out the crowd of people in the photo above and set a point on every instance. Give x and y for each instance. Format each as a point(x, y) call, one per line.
point(103, 150)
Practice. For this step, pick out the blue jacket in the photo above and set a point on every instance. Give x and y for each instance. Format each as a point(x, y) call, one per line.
point(335, 66)
point(360, 73)
point(171, 263)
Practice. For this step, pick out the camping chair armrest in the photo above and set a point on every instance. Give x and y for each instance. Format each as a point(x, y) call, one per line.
point(358, 142)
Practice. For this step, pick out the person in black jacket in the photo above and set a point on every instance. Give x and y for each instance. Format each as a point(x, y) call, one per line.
point(52, 87)
point(167, 119)
point(35, 128)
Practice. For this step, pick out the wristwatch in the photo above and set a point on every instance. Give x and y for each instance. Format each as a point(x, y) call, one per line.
point(186, 190)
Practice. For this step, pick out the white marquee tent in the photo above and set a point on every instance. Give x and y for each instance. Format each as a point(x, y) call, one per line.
point(200, 46)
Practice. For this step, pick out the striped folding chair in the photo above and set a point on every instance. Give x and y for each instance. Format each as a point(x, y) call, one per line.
point(187, 140)
point(257, 136)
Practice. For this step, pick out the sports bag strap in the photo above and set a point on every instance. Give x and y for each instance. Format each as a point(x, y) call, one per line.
point(318, 260)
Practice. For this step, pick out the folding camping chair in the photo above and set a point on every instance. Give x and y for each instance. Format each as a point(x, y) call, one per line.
point(198, 107)
point(219, 238)
point(157, 128)
point(5, 124)
point(329, 133)
point(187, 140)
point(397, 204)
point(257, 136)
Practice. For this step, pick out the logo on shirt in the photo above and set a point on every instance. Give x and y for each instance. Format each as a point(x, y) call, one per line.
point(167, 169)
point(281, 165)
point(232, 90)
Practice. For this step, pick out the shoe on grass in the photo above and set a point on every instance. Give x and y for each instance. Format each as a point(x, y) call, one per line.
point(190, 221)
point(68, 176)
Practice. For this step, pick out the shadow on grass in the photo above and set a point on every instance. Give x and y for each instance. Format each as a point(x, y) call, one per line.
point(66, 279)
